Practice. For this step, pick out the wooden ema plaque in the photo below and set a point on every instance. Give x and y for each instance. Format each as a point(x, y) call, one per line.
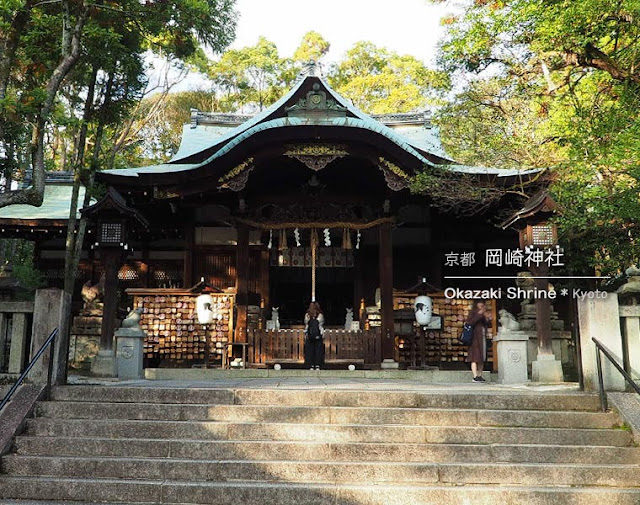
point(174, 336)
point(441, 346)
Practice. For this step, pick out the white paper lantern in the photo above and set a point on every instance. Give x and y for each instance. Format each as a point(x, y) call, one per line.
point(352, 368)
point(204, 309)
point(277, 366)
point(423, 307)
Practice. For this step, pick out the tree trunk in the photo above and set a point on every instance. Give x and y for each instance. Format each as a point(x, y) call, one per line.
point(75, 235)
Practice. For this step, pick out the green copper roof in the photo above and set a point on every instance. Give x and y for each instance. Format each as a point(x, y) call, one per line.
point(56, 205)
point(418, 141)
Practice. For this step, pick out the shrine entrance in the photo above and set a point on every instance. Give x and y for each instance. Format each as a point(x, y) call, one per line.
point(291, 283)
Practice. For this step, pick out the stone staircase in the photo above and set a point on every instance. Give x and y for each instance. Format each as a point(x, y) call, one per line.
point(302, 446)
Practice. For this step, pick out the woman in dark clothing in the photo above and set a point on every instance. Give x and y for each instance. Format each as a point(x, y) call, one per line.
point(313, 332)
point(479, 319)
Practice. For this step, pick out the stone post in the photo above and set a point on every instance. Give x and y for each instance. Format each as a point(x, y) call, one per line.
point(130, 343)
point(3, 322)
point(48, 311)
point(512, 356)
point(629, 300)
point(598, 316)
point(18, 342)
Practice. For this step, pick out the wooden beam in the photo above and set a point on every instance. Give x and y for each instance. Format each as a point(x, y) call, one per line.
point(543, 310)
point(242, 282)
point(386, 291)
point(189, 248)
point(112, 261)
point(264, 277)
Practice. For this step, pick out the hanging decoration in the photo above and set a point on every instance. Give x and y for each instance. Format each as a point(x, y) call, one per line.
point(327, 237)
point(346, 239)
point(283, 240)
point(296, 236)
point(358, 240)
point(307, 225)
point(270, 244)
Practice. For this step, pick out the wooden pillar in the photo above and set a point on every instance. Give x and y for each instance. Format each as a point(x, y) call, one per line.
point(189, 248)
point(242, 282)
point(543, 310)
point(111, 259)
point(264, 277)
point(386, 291)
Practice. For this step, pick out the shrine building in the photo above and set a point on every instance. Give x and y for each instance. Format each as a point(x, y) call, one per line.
point(308, 199)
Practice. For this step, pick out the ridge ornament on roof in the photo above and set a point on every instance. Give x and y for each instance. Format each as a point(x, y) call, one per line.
point(316, 101)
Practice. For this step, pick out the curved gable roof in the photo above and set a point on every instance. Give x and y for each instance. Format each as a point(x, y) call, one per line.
point(203, 144)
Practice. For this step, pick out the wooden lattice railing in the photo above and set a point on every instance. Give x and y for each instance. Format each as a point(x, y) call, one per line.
point(287, 346)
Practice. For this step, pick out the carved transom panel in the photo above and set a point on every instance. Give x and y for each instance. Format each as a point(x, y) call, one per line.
point(316, 156)
point(309, 212)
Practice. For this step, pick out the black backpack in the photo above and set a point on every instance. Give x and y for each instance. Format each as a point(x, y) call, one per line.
point(313, 331)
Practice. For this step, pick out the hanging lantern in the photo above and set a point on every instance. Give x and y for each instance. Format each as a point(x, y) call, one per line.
point(423, 307)
point(204, 309)
point(270, 244)
point(296, 236)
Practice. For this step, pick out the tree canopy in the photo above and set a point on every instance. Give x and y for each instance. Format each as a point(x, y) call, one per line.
point(53, 53)
point(555, 84)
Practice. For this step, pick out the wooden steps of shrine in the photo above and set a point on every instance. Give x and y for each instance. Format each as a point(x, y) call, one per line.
point(114, 444)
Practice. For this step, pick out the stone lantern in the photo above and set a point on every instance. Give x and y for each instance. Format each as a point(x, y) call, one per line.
point(537, 231)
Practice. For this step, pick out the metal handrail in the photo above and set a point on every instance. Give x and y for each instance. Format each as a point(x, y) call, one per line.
point(23, 375)
point(603, 350)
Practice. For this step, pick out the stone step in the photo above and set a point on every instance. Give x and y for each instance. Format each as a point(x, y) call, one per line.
point(321, 471)
point(319, 451)
point(179, 492)
point(330, 433)
point(325, 415)
point(320, 397)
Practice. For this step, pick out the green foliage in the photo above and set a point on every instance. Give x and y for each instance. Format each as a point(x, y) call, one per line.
point(312, 48)
point(19, 254)
point(556, 85)
point(380, 81)
point(250, 78)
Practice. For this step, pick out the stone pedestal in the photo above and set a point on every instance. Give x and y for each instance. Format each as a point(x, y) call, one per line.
point(129, 345)
point(389, 364)
point(599, 317)
point(512, 356)
point(560, 345)
point(104, 364)
point(546, 368)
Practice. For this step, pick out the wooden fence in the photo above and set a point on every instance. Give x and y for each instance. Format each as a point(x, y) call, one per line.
point(287, 346)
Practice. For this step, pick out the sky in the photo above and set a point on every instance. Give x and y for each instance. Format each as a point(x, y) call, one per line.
point(404, 26)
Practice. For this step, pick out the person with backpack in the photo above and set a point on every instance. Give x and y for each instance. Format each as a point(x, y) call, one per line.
point(313, 332)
